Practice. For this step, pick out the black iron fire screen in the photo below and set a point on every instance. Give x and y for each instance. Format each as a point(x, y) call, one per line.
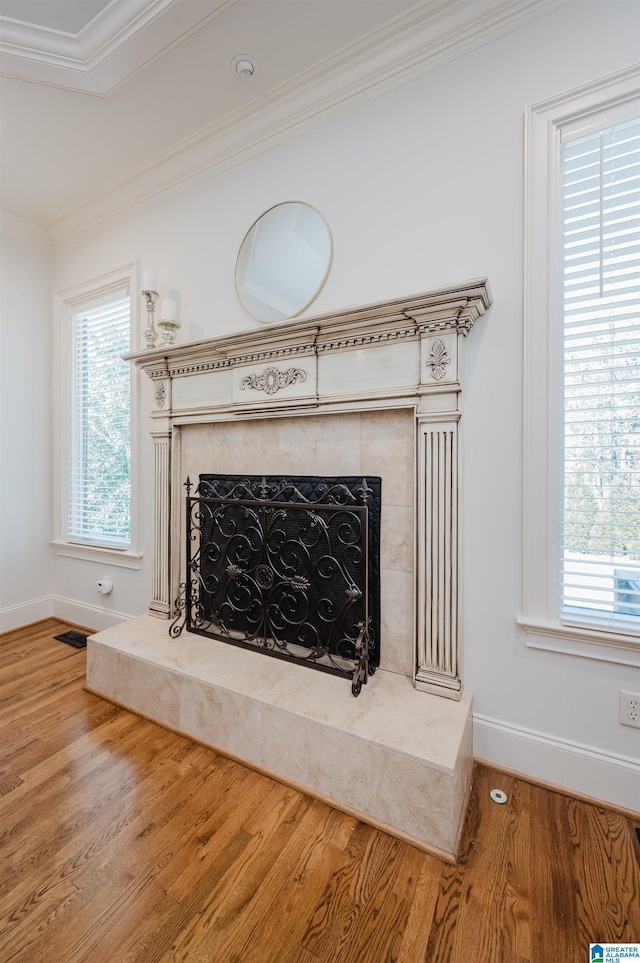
point(289, 566)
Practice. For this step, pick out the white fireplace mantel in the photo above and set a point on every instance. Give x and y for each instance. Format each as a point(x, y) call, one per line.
point(403, 353)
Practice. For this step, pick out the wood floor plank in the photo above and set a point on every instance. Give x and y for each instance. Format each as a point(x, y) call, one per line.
point(226, 841)
point(113, 841)
point(34, 742)
point(51, 677)
point(242, 928)
point(213, 829)
point(420, 918)
point(307, 880)
point(218, 910)
point(41, 840)
point(173, 939)
point(496, 911)
point(303, 877)
point(51, 777)
point(121, 842)
point(555, 915)
point(517, 920)
point(41, 632)
point(56, 703)
point(378, 929)
point(300, 870)
point(338, 902)
point(605, 875)
point(156, 847)
point(15, 662)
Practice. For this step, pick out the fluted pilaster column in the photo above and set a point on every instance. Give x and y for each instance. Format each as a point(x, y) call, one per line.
point(160, 604)
point(438, 615)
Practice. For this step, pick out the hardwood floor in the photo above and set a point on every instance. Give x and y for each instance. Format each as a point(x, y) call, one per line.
point(121, 841)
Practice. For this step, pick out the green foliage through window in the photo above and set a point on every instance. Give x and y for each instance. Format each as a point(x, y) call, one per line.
point(99, 481)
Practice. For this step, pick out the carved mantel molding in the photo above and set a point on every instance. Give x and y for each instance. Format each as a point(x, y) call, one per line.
point(454, 308)
point(273, 379)
point(405, 353)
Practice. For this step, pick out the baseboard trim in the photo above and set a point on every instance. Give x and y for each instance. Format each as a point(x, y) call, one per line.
point(562, 790)
point(26, 613)
point(81, 613)
point(603, 778)
point(57, 607)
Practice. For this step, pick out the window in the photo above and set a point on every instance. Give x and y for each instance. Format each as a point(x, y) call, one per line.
point(601, 312)
point(95, 423)
point(99, 485)
point(581, 576)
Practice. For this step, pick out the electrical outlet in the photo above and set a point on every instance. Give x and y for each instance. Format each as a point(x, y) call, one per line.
point(630, 709)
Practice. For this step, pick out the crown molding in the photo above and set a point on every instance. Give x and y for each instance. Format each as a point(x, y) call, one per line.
point(23, 227)
point(416, 43)
point(91, 61)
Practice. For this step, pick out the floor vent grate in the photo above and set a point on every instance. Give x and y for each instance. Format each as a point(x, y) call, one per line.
point(77, 639)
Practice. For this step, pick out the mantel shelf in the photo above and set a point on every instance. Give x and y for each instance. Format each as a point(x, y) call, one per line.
point(451, 308)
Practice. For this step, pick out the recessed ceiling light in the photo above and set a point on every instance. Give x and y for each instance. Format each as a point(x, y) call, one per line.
point(243, 66)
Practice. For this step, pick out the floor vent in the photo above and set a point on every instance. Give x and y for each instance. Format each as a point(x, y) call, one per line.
point(77, 639)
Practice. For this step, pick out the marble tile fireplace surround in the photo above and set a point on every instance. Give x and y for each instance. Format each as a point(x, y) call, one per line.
point(371, 391)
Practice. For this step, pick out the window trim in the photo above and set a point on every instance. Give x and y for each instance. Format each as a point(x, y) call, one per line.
point(542, 435)
point(66, 303)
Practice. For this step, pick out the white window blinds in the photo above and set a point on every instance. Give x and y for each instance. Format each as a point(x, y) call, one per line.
point(600, 559)
point(99, 478)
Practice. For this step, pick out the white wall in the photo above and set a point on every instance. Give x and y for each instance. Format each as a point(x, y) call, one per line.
point(26, 573)
point(420, 188)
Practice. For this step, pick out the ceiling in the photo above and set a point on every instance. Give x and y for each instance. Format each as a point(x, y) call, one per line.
point(103, 103)
point(66, 16)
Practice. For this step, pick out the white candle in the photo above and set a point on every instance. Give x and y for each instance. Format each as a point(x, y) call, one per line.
point(149, 280)
point(168, 309)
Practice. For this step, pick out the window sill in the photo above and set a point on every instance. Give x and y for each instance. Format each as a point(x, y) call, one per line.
point(586, 643)
point(121, 558)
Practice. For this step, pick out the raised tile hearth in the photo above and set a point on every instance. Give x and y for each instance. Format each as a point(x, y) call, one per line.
point(397, 757)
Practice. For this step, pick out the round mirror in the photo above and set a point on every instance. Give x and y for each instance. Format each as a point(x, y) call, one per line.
point(283, 261)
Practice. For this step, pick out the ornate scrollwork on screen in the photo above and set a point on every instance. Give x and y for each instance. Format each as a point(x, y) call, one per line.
point(282, 565)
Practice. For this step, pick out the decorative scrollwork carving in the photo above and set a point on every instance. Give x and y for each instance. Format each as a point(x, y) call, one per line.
point(299, 583)
point(272, 379)
point(264, 576)
point(361, 672)
point(438, 360)
point(161, 394)
point(179, 613)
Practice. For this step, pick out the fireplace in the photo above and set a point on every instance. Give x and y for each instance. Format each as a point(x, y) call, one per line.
point(371, 392)
point(289, 567)
point(355, 444)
